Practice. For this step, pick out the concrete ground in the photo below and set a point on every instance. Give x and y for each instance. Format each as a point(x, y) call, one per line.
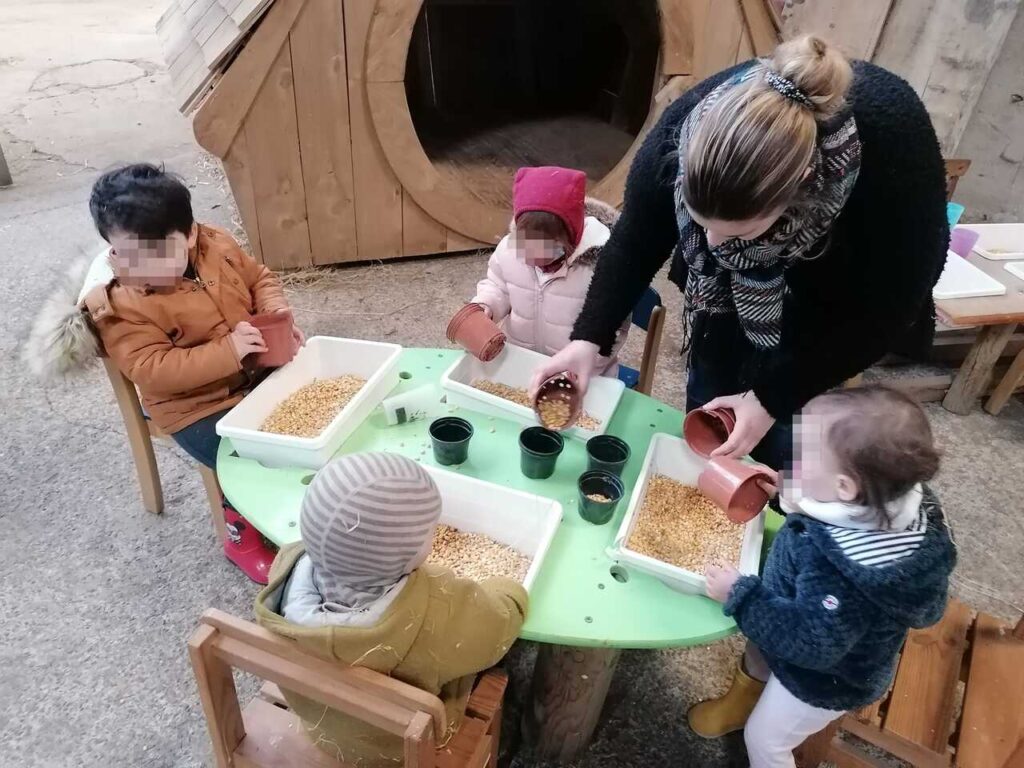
point(98, 596)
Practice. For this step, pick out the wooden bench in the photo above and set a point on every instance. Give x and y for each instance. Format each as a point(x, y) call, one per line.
point(919, 720)
point(266, 734)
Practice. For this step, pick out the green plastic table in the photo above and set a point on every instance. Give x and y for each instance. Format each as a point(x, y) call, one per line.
point(583, 606)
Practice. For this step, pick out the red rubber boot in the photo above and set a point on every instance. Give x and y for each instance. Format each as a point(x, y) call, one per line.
point(246, 548)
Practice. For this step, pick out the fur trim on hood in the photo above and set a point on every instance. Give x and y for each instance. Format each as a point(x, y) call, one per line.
point(62, 341)
point(605, 214)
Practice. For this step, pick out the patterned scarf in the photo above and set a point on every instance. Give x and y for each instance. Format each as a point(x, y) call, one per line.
point(747, 277)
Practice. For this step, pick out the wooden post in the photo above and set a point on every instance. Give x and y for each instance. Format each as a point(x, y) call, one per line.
point(1011, 380)
point(976, 371)
point(569, 689)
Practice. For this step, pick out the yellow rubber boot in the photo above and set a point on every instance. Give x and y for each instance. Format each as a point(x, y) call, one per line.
point(717, 717)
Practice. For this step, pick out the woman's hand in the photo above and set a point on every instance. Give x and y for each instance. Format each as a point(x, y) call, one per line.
point(246, 339)
point(752, 424)
point(720, 580)
point(577, 357)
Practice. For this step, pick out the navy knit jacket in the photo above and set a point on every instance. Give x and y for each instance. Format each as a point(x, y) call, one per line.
point(869, 293)
point(830, 628)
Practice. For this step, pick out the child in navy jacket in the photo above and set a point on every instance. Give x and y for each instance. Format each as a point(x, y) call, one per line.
point(864, 555)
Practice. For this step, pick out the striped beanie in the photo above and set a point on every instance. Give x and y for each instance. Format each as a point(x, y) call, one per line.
point(367, 520)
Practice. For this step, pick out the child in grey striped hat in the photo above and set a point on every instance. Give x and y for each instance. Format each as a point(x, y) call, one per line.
point(357, 590)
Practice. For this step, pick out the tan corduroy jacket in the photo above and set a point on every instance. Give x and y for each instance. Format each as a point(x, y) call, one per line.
point(439, 631)
point(173, 343)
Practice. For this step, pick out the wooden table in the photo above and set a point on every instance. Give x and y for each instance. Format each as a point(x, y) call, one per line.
point(584, 608)
point(998, 317)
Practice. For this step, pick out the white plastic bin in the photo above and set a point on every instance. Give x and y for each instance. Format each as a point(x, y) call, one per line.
point(523, 521)
point(999, 242)
point(671, 457)
point(514, 367)
point(323, 357)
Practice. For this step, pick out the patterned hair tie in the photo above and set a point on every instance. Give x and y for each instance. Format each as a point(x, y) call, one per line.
point(788, 88)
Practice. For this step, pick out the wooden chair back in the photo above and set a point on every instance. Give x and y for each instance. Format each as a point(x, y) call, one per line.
point(955, 170)
point(223, 642)
point(649, 314)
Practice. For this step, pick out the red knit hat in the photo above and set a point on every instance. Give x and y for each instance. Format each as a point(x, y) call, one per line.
point(559, 191)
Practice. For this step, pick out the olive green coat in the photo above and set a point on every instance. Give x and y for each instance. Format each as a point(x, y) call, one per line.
point(436, 635)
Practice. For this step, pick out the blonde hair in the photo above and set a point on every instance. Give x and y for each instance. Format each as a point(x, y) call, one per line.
point(750, 152)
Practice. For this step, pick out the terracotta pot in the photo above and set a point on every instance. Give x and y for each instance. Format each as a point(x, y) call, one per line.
point(476, 333)
point(277, 328)
point(560, 387)
point(704, 431)
point(733, 486)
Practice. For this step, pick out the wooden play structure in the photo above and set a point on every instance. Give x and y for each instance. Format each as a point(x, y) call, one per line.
point(353, 130)
point(958, 700)
point(266, 733)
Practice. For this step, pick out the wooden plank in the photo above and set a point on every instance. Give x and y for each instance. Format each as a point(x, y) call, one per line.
point(217, 694)
point(679, 20)
point(220, 119)
point(470, 746)
point(378, 201)
point(277, 738)
point(419, 742)
point(393, 23)
point(1009, 383)
point(817, 747)
point(910, 39)
point(902, 748)
point(456, 242)
point(422, 234)
point(846, 755)
point(325, 145)
point(761, 25)
point(236, 168)
point(746, 49)
point(272, 135)
point(854, 27)
point(992, 727)
point(719, 43)
point(923, 695)
point(871, 714)
point(976, 372)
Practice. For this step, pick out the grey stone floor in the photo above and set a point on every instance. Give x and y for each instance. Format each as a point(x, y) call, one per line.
point(98, 597)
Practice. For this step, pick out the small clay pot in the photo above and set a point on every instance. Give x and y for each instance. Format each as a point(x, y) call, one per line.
point(476, 333)
point(539, 449)
point(705, 431)
point(450, 438)
point(600, 482)
point(608, 453)
point(733, 486)
point(277, 329)
point(560, 388)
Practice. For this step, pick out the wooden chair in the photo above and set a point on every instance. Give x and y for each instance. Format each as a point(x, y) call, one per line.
point(955, 170)
point(267, 734)
point(919, 721)
point(648, 314)
point(141, 430)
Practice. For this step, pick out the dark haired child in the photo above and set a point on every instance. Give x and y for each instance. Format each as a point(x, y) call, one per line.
point(174, 317)
point(865, 555)
point(538, 276)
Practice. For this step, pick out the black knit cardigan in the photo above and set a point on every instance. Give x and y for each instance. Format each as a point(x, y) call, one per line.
point(869, 292)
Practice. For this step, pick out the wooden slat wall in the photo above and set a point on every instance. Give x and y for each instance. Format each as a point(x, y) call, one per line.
point(854, 26)
point(421, 233)
point(236, 168)
point(317, 44)
point(272, 136)
point(379, 198)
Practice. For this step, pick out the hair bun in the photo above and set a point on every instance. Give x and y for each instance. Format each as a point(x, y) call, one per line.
point(818, 69)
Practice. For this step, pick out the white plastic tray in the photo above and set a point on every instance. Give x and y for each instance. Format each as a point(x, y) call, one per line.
point(514, 367)
point(523, 521)
point(961, 280)
point(322, 357)
point(671, 457)
point(1016, 268)
point(1008, 239)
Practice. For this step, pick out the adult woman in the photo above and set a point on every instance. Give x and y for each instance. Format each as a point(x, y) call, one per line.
point(802, 200)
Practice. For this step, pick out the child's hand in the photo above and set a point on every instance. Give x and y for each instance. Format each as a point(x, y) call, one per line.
point(771, 487)
point(297, 335)
point(720, 581)
point(488, 311)
point(246, 339)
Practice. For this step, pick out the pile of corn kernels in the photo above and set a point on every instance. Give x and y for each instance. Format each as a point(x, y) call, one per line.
point(522, 397)
point(476, 556)
point(679, 525)
point(306, 412)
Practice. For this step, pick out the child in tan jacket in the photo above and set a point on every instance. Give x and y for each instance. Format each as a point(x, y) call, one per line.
point(356, 590)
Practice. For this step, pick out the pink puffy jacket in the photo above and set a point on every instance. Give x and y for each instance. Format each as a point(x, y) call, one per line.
point(538, 310)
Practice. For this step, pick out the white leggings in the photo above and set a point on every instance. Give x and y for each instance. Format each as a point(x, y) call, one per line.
point(779, 724)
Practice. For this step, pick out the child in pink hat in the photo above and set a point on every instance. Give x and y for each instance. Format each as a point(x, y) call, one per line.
point(538, 275)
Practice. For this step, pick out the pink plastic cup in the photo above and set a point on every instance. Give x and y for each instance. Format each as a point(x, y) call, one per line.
point(733, 486)
point(704, 431)
point(277, 329)
point(962, 240)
